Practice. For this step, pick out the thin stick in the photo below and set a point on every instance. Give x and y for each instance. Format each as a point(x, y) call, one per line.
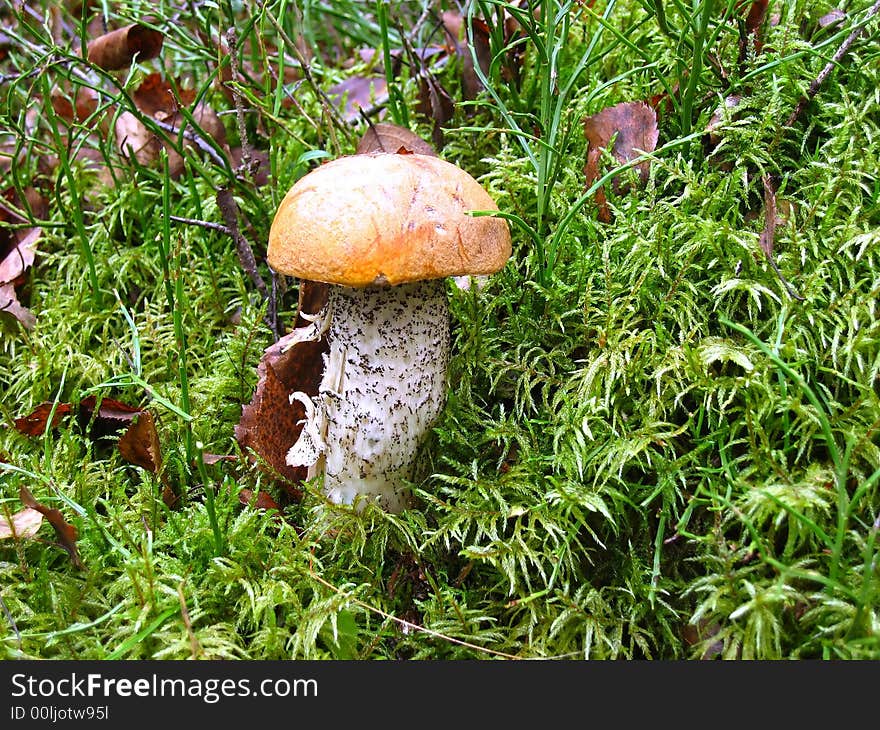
point(835, 59)
point(11, 621)
point(408, 624)
point(229, 209)
point(203, 224)
point(246, 156)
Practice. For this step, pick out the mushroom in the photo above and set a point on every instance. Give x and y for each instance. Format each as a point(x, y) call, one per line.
point(383, 230)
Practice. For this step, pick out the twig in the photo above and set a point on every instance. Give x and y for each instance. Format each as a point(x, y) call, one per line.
point(195, 647)
point(195, 139)
point(204, 224)
point(829, 67)
point(247, 163)
point(11, 621)
point(229, 209)
point(409, 625)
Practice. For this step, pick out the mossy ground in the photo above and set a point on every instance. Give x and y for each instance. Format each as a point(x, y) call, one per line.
point(651, 449)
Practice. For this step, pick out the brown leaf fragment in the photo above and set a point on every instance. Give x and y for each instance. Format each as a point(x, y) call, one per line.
point(471, 85)
point(140, 446)
point(158, 99)
point(263, 500)
point(387, 137)
point(702, 633)
point(211, 459)
point(270, 424)
point(118, 49)
point(65, 532)
point(20, 255)
point(358, 93)
point(10, 305)
point(633, 126)
point(833, 19)
point(34, 424)
point(436, 104)
point(768, 234)
point(756, 15)
point(105, 418)
point(718, 116)
point(22, 525)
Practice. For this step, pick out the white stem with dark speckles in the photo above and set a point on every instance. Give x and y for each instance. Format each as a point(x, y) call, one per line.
point(384, 384)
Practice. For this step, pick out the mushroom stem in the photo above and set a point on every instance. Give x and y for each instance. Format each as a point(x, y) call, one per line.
point(384, 384)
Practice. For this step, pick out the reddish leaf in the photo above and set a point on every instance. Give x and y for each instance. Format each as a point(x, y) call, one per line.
point(118, 49)
point(633, 126)
point(34, 424)
point(64, 530)
point(386, 137)
point(22, 525)
point(139, 445)
point(757, 13)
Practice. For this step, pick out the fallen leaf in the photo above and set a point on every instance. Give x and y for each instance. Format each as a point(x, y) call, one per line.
point(263, 501)
point(66, 532)
point(719, 115)
point(106, 417)
point(140, 446)
point(358, 93)
point(704, 632)
point(156, 98)
point(832, 19)
point(435, 103)
point(119, 48)
point(387, 137)
point(270, 424)
point(756, 15)
point(633, 126)
point(34, 424)
point(22, 525)
point(18, 249)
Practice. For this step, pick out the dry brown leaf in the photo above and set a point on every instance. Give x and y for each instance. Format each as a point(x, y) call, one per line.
point(34, 424)
point(65, 532)
point(390, 138)
point(140, 446)
point(270, 424)
point(436, 104)
point(156, 98)
point(118, 49)
point(22, 525)
point(10, 305)
point(263, 501)
point(633, 126)
point(358, 93)
point(17, 252)
point(832, 19)
point(756, 15)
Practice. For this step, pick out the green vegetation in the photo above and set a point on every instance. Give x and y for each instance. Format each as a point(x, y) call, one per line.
point(653, 447)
